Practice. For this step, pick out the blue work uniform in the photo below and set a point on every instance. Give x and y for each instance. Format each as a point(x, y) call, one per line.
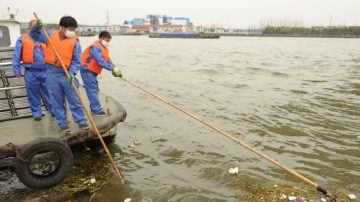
point(35, 77)
point(59, 87)
point(90, 78)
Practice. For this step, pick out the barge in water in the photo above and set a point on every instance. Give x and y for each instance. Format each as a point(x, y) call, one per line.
point(185, 35)
point(38, 152)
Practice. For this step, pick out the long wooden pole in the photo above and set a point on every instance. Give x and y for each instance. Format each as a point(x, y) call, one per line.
point(266, 157)
point(121, 178)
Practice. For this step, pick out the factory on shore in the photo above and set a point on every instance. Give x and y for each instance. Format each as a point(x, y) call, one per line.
point(96, 29)
point(160, 23)
point(147, 24)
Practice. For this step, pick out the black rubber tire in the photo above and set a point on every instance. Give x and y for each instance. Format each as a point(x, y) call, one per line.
point(39, 146)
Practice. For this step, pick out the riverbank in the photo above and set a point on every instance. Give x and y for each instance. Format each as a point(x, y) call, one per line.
point(286, 35)
point(256, 35)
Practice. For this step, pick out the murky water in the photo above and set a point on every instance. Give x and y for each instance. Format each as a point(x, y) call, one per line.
point(295, 99)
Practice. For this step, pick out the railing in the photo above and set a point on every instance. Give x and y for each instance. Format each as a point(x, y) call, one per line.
point(13, 97)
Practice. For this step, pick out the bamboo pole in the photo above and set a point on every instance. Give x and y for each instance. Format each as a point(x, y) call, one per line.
point(227, 135)
point(83, 105)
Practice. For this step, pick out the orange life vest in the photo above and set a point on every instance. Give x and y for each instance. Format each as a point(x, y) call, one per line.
point(28, 46)
point(92, 64)
point(65, 48)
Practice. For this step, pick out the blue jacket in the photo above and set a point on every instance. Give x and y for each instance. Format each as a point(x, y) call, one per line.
point(39, 63)
point(95, 53)
point(76, 59)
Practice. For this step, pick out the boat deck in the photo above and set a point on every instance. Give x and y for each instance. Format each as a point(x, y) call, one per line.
point(24, 130)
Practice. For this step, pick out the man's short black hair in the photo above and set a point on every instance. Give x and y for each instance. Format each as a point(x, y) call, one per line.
point(104, 34)
point(68, 21)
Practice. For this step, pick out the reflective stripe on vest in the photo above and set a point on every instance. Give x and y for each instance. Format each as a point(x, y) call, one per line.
point(65, 47)
point(28, 46)
point(90, 62)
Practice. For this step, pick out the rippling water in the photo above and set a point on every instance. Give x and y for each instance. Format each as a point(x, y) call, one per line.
point(295, 99)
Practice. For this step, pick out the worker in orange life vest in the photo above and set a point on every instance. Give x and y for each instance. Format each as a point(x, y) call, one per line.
point(67, 44)
point(94, 59)
point(31, 53)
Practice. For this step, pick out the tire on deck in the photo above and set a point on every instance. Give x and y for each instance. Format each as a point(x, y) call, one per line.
point(42, 147)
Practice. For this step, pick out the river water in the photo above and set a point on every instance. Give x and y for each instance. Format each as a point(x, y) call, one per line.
point(295, 99)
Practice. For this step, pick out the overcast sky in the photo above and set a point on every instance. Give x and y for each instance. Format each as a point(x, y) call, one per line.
point(236, 13)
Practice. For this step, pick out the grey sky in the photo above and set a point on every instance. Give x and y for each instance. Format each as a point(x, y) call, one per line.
point(237, 13)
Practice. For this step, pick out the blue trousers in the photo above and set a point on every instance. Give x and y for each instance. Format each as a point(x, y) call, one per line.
point(35, 82)
point(92, 89)
point(59, 88)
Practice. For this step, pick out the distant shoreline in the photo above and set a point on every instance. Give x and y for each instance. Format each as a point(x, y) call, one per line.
point(253, 35)
point(286, 36)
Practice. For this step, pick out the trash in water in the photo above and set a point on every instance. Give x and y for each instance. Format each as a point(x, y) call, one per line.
point(283, 197)
point(127, 200)
point(352, 196)
point(131, 145)
point(323, 200)
point(299, 199)
point(234, 170)
point(136, 141)
point(275, 186)
point(91, 181)
point(292, 198)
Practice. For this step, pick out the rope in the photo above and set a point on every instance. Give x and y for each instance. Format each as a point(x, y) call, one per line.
point(15, 149)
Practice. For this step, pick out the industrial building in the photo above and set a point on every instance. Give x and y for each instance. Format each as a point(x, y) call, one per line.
point(95, 29)
point(161, 23)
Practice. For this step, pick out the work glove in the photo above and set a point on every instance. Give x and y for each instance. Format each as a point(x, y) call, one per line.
point(71, 78)
point(116, 72)
point(39, 23)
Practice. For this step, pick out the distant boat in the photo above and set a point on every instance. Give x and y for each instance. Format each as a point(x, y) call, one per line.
point(186, 35)
point(128, 33)
point(86, 34)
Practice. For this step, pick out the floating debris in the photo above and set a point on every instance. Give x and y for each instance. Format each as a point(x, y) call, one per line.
point(136, 141)
point(300, 199)
point(275, 186)
point(92, 165)
point(323, 200)
point(131, 145)
point(127, 200)
point(234, 170)
point(253, 189)
point(292, 198)
point(352, 196)
point(92, 181)
point(86, 164)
